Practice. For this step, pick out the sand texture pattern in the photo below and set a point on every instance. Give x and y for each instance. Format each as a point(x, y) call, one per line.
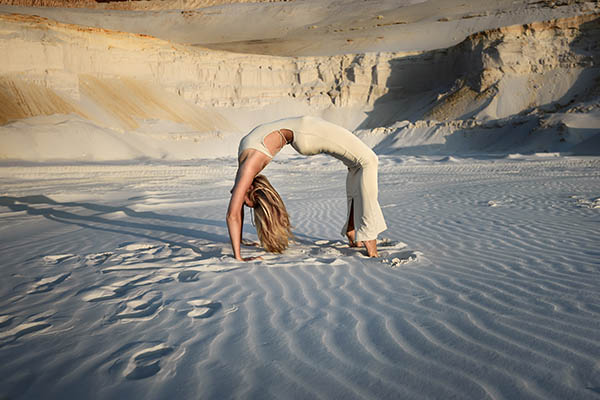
point(487, 286)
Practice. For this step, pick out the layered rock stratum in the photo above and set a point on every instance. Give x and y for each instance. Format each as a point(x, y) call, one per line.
point(536, 84)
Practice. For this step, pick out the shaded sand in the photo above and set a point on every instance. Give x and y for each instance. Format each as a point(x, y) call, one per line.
point(118, 281)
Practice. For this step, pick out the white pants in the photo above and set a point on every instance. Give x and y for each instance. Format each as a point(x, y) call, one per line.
point(361, 192)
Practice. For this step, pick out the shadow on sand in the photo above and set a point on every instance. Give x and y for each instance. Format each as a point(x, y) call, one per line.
point(54, 211)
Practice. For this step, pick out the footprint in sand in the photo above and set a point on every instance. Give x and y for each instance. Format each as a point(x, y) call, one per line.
point(326, 254)
point(146, 363)
point(587, 203)
point(151, 256)
point(138, 253)
point(143, 307)
point(139, 247)
point(43, 285)
point(391, 252)
point(203, 308)
point(58, 258)
point(188, 276)
point(120, 288)
point(396, 254)
point(161, 259)
point(401, 258)
point(96, 259)
point(33, 324)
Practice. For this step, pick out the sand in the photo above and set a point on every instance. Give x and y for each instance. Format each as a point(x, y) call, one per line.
point(119, 282)
point(119, 127)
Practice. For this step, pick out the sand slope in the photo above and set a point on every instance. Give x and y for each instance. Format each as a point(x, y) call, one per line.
point(297, 28)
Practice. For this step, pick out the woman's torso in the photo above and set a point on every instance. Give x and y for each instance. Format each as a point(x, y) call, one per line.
point(310, 136)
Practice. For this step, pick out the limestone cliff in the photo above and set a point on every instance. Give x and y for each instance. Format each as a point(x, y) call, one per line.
point(506, 71)
point(116, 79)
point(62, 57)
point(533, 87)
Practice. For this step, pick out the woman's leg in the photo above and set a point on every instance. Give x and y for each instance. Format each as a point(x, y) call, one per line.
point(351, 192)
point(371, 245)
point(350, 230)
point(371, 221)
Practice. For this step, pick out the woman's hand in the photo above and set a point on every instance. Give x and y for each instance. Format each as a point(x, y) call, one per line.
point(249, 258)
point(250, 243)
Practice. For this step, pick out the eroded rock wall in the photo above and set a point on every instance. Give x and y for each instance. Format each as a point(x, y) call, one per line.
point(56, 56)
point(514, 69)
point(492, 74)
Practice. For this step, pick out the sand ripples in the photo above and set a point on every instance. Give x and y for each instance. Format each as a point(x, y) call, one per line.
point(499, 301)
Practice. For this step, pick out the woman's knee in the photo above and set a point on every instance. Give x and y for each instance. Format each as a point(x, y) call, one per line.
point(370, 160)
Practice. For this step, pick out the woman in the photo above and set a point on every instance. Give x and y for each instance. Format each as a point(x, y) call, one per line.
point(309, 136)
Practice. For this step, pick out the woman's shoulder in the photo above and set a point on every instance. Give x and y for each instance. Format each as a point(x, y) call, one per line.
point(253, 159)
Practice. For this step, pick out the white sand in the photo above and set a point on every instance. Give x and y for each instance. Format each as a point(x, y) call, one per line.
point(117, 157)
point(119, 281)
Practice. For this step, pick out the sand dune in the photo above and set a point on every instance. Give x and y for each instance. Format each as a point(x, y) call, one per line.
point(297, 28)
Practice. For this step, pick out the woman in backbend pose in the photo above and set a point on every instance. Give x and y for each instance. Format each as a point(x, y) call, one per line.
point(309, 136)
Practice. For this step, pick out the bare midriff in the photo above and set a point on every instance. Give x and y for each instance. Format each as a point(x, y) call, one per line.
point(288, 135)
point(274, 141)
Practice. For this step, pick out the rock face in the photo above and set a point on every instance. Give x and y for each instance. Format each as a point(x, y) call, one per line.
point(497, 73)
point(533, 87)
point(117, 79)
point(537, 63)
point(66, 58)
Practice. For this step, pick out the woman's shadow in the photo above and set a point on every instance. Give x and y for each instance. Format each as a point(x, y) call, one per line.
point(55, 211)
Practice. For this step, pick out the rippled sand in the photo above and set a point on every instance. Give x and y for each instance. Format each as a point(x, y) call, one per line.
point(118, 281)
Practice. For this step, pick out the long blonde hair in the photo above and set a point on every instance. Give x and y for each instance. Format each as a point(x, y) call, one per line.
point(270, 216)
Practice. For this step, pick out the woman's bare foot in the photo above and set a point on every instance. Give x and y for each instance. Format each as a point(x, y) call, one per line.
point(353, 243)
point(371, 246)
point(351, 235)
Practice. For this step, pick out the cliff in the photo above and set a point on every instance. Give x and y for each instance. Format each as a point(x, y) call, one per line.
point(121, 81)
point(62, 57)
point(513, 69)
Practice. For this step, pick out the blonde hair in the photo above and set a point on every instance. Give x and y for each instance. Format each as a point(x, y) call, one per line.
point(270, 216)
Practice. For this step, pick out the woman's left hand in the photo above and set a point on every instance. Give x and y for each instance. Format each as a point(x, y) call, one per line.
point(250, 258)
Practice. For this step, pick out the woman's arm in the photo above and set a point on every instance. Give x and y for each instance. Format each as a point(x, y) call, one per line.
point(235, 215)
point(242, 225)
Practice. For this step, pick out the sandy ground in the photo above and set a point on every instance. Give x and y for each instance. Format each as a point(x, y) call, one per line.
point(118, 282)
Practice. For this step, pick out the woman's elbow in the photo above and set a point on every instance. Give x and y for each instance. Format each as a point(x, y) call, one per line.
point(233, 217)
